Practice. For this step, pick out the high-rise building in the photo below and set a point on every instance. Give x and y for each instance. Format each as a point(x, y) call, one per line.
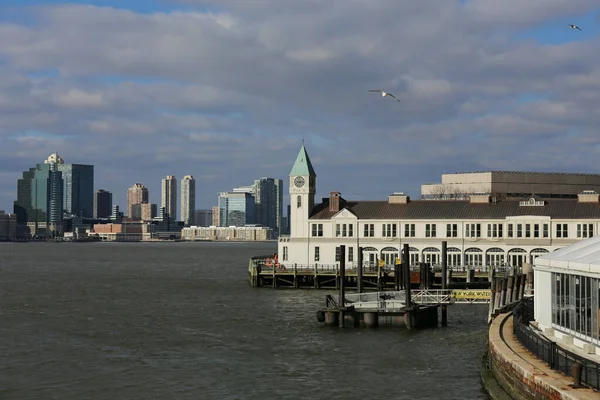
point(8, 226)
point(188, 200)
point(236, 209)
point(39, 204)
point(268, 198)
point(102, 204)
point(78, 183)
point(169, 196)
point(137, 194)
point(204, 218)
point(269, 202)
point(216, 216)
point(148, 211)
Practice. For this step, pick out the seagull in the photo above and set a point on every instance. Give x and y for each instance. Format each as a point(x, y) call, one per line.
point(383, 94)
point(575, 27)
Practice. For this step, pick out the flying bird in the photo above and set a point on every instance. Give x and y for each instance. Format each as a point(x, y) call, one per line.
point(383, 94)
point(575, 27)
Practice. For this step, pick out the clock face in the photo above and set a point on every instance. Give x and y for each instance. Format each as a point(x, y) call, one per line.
point(299, 181)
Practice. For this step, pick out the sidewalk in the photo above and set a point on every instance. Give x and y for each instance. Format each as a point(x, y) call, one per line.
point(523, 375)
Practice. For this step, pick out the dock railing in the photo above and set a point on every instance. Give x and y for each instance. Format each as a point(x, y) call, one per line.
point(550, 352)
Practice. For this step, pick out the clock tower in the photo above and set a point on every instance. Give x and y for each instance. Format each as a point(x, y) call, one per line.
point(302, 194)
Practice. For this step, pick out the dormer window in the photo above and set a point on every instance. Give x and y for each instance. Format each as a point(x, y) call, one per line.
point(532, 202)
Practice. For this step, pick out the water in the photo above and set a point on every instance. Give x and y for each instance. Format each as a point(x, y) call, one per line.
point(180, 321)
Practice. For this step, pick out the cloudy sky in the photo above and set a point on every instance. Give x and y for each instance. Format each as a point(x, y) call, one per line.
point(225, 90)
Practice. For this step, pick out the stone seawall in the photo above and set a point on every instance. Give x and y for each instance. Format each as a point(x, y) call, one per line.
point(519, 373)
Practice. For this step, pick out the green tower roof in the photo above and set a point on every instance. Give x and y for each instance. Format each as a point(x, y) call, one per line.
point(302, 166)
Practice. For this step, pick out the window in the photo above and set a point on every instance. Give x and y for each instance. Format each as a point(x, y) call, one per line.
point(536, 230)
point(298, 201)
point(317, 230)
point(344, 230)
point(285, 253)
point(519, 230)
point(494, 231)
point(317, 253)
point(573, 307)
point(545, 230)
point(562, 231)
point(389, 230)
point(527, 230)
point(430, 230)
point(409, 230)
point(338, 253)
point(473, 230)
point(451, 230)
point(369, 230)
point(510, 230)
point(585, 230)
point(350, 253)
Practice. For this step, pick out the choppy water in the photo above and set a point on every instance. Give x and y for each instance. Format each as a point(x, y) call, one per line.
point(179, 321)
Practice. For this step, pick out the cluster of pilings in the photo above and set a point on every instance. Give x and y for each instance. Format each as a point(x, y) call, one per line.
point(411, 315)
point(509, 290)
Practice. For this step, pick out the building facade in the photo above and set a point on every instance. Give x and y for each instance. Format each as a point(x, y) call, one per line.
point(236, 209)
point(480, 232)
point(39, 204)
point(269, 202)
point(510, 185)
point(567, 295)
point(148, 211)
point(8, 226)
point(204, 218)
point(136, 194)
point(78, 183)
point(102, 204)
point(216, 216)
point(230, 233)
point(188, 200)
point(169, 195)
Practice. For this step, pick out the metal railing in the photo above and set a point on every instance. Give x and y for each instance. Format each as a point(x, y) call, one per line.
point(550, 352)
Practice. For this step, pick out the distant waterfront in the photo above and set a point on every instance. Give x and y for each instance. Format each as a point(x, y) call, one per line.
point(142, 320)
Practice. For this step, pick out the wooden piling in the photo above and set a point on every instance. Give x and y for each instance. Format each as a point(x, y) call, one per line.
point(342, 276)
point(405, 261)
point(492, 306)
point(444, 279)
point(510, 284)
point(359, 271)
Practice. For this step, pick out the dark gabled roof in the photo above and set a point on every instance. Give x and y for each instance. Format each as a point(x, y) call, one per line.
point(460, 210)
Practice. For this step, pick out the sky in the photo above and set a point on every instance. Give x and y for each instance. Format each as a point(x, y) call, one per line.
point(226, 90)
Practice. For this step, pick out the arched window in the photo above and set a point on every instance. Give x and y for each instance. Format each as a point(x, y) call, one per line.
point(299, 201)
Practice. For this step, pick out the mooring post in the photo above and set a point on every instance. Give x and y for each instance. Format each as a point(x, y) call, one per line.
point(406, 264)
point(444, 277)
point(396, 275)
point(359, 271)
point(492, 279)
point(342, 301)
point(509, 289)
point(295, 276)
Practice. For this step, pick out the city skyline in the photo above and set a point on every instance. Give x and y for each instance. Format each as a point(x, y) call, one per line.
point(486, 86)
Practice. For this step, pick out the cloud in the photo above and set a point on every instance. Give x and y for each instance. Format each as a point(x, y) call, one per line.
point(226, 90)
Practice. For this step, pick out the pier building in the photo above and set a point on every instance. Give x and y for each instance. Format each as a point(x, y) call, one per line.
point(483, 231)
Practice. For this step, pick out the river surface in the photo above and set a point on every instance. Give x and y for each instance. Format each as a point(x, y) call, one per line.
point(179, 321)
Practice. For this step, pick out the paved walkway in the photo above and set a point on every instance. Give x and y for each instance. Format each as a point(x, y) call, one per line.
point(532, 369)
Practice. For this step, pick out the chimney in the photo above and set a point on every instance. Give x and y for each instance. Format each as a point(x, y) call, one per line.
point(398, 198)
point(588, 196)
point(480, 198)
point(334, 201)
